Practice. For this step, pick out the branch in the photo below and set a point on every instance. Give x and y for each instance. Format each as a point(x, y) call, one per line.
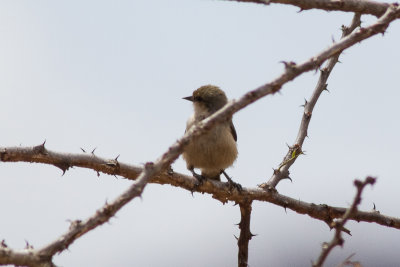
point(22, 258)
point(363, 7)
point(292, 70)
point(43, 256)
point(339, 224)
point(219, 190)
point(245, 234)
point(295, 150)
point(40, 154)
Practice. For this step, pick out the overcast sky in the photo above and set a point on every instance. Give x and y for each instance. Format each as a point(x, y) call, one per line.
point(111, 75)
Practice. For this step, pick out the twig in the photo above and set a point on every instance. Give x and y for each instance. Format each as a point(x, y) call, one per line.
point(296, 149)
point(337, 239)
point(245, 234)
point(363, 7)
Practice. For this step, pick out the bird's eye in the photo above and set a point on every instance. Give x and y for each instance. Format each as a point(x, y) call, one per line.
point(198, 99)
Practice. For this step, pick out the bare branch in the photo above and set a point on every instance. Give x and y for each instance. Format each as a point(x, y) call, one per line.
point(157, 172)
point(245, 234)
point(78, 228)
point(220, 191)
point(363, 7)
point(41, 155)
point(296, 149)
point(339, 224)
point(25, 257)
point(42, 257)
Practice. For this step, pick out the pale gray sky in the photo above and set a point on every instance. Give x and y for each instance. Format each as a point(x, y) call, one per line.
point(111, 75)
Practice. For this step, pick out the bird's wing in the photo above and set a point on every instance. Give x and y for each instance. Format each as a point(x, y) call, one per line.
point(233, 131)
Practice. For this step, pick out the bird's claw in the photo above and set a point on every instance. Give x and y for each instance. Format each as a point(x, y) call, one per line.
point(232, 184)
point(200, 180)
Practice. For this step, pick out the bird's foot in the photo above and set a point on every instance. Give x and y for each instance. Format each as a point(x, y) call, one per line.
point(232, 184)
point(200, 180)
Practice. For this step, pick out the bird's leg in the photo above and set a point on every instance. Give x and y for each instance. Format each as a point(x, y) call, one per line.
point(231, 183)
point(200, 178)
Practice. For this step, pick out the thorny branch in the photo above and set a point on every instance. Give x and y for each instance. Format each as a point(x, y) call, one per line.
point(363, 7)
point(295, 150)
point(245, 234)
point(156, 172)
point(43, 256)
point(220, 191)
point(339, 224)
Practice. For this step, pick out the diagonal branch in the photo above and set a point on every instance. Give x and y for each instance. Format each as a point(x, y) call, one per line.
point(43, 257)
point(337, 239)
point(363, 7)
point(295, 150)
point(79, 228)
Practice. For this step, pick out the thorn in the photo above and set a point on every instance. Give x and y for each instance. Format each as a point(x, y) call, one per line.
point(74, 224)
point(27, 245)
point(3, 244)
point(291, 65)
point(98, 173)
point(326, 88)
point(289, 179)
point(83, 150)
point(333, 39)
point(116, 159)
point(115, 177)
point(236, 237)
point(374, 208)
point(64, 166)
point(94, 150)
point(305, 103)
point(40, 149)
point(301, 10)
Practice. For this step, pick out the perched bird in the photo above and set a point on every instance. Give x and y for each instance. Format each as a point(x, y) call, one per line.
point(215, 150)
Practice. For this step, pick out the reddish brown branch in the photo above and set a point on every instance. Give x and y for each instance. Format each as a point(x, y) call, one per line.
point(220, 191)
point(363, 7)
point(337, 239)
point(245, 234)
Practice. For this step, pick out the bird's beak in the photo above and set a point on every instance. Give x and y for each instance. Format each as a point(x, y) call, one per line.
point(190, 98)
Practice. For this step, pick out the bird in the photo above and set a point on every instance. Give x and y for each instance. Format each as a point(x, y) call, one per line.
point(215, 150)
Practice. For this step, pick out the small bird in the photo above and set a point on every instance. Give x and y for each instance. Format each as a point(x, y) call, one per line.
point(215, 150)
